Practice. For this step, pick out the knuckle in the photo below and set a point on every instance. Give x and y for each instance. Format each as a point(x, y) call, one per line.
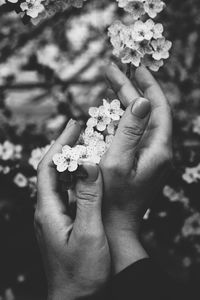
point(39, 220)
point(112, 166)
point(133, 131)
point(87, 197)
point(89, 236)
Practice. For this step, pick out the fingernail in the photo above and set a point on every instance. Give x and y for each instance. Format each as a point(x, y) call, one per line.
point(70, 122)
point(141, 108)
point(114, 65)
point(92, 172)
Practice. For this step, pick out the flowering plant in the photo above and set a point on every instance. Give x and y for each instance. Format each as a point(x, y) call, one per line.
point(142, 41)
point(37, 10)
point(50, 73)
point(94, 141)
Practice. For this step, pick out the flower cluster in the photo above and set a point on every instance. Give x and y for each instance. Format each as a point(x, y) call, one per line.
point(176, 196)
point(191, 226)
point(95, 140)
point(37, 10)
point(9, 151)
point(138, 8)
point(142, 42)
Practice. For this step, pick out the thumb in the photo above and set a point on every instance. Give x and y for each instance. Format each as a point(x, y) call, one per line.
point(89, 199)
point(130, 131)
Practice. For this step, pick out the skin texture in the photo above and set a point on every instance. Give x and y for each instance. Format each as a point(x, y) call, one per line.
point(75, 253)
point(135, 166)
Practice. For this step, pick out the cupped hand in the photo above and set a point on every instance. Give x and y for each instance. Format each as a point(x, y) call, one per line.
point(75, 253)
point(135, 166)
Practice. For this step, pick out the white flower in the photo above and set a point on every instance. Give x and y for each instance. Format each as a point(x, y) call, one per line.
point(7, 151)
point(192, 175)
point(122, 3)
point(32, 7)
point(175, 196)
point(98, 118)
point(6, 170)
point(161, 48)
point(192, 226)
point(131, 56)
point(142, 31)
point(144, 47)
point(157, 31)
point(113, 109)
point(20, 180)
point(67, 160)
point(153, 7)
point(135, 8)
point(118, 34)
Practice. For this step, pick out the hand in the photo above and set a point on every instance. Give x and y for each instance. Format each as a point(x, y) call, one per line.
point(135, 166)
point(76, 254)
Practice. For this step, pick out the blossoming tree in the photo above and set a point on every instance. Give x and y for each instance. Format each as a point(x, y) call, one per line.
point(51, 59)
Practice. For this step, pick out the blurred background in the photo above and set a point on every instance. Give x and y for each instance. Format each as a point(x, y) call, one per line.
point(54, 71)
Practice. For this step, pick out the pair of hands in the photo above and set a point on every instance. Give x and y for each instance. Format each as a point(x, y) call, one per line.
point(78, 255)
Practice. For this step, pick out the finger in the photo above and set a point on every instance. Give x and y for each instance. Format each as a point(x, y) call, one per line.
point(89, 198)
point(150, 87)
point(47, 174)
point(121, 85)
point(130, 132)
point(161, 112)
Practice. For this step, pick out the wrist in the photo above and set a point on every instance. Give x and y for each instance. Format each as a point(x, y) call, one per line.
point(61, 294)
point(126, 249)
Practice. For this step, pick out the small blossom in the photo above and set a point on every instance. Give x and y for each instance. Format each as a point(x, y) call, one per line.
point(9, 151)
point(176, 196)
point(98, 118)
point(191, 226)
point(20, 180)
point(192, 175)
point(161, 48)
point(157, 31)
point(142, 31)
point(67, 160)
point(113, 109)
point(131, 56)
point(153, 7)
point(32, 7)
point(135, 8)
point(6, 170)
